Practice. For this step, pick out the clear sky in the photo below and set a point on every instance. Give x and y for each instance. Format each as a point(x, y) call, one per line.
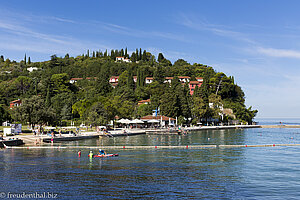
point(256, 41)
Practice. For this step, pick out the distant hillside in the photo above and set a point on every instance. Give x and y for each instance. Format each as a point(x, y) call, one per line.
point(98, 86)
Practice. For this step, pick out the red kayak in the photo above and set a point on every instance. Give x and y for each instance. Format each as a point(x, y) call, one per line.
point(107, 155)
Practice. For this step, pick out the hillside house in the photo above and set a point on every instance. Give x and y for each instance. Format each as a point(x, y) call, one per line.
point(147, 101)
point(15, 103)
point(74, 80)
point(122, 59)
point(193, 85)
point(149, 80)
point(168, 80)
point(184, 79)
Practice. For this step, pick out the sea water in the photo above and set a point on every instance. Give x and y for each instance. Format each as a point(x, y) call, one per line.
point(210, 173)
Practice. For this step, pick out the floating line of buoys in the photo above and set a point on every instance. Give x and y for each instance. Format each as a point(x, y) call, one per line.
point(151, 147)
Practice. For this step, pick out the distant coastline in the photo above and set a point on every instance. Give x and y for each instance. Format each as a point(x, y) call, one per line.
point(278, 121)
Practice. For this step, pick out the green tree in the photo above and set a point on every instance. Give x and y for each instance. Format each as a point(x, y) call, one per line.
point(81, 107)
point(144, 109)
point(4, 114)
point(102, 83)
point(60, 82)
point(33, 111)
point(160, 57)
point(97, 115)
point(159, 75)
point(23, 83)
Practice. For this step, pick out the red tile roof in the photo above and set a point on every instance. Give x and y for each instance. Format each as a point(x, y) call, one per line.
point(16, 101)
point(184, 77)
point(195, 82)
point(76, 79)
point(144, 101)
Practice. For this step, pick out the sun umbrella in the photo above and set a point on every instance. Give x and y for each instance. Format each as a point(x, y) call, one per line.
point(124, 121)
point(137, 121)
point(153, 121)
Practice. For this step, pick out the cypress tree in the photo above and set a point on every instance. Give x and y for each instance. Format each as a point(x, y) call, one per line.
point(112, 54)
point(140, 78)
point(160, 57)
point(140, 55)
point(137, 54)
point(25, 59)
point(133, 57)
point(126, 54)
point(144, 56)
point(1, 58)
point(117, 53)
point(48, 98)
point(130, 82)
point(29, 61)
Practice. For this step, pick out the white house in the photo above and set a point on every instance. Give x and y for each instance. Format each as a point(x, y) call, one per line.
point(74, 80)
point(184, 79)
point(30, 69)
point(199, 79)
point(149, 80)
point(118, 59)
point(168, 80)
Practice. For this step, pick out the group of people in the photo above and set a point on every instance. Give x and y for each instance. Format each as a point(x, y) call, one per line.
point(91, 154)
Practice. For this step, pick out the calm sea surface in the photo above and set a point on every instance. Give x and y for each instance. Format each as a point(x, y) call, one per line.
point(213, 173)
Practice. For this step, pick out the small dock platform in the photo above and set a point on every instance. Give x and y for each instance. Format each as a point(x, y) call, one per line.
point(119, 133)
point(69, 138)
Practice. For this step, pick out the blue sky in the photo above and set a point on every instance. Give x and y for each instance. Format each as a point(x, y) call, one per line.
point(257, 41)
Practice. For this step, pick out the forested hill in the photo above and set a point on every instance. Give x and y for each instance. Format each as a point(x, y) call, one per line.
point(98, 86)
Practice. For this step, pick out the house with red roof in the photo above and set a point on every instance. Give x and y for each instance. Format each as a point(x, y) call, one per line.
point(184, 79)
point(15, 103)
point(149, 80)
point(193, 85)
point(147, 101)
point(74, 80)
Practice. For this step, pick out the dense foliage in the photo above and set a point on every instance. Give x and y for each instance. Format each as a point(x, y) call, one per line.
point(49, 97)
